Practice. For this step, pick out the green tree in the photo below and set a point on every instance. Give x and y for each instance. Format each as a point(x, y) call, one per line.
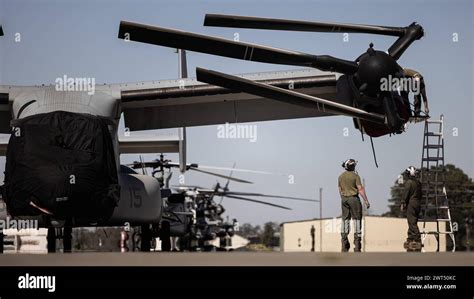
point(460, 192)
point(247, 230)
point(268, 234)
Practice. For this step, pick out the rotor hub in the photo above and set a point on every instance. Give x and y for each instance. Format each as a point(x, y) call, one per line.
point(374, 66)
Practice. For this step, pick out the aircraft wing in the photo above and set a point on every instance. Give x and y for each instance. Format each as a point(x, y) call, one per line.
point(187, 102)
point(146, 143)
point(137, 143)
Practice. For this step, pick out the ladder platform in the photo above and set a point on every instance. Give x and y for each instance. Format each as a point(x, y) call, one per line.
point(434, 121)
point(418, 119)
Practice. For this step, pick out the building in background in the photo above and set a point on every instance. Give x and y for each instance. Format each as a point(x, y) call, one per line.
point(26, 241)
point(379, 234)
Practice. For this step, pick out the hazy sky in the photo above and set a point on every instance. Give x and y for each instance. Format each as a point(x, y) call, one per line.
point(79, 39)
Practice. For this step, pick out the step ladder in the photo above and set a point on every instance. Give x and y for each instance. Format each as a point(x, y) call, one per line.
point(436, 207)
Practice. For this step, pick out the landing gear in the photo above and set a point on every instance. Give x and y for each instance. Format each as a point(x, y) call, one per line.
point(56, 233)
point(51, 238)
point(146, 237)
point(165, 236)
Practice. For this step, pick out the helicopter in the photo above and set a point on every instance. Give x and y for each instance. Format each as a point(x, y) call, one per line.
point(63, 156)
point(193, 216)
point(206, 215)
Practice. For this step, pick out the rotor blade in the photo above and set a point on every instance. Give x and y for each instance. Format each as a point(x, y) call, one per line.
point(139, 165)
point(239, 170)
point(182, 187)
point(258, 201)
point(231, 21)
point(228, 48)
point(1, 30)
point(266, 195)
point(221, 176)
point(284, 95)
point(226, 187)
point(413, 32)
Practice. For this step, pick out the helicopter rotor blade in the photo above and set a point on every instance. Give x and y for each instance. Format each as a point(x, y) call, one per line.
point(155, 164)
point(221, 176)
point(284, 95)
point(226, 186)
point(240, 170)
point(182, 187)
point(232, 21)
point(228, 48)
point(267, 195)
point(258, 201)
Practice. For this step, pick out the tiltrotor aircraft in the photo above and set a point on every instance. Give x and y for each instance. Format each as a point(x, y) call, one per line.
point(62, 158)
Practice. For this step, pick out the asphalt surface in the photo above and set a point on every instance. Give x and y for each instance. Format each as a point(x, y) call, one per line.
point(239, 259)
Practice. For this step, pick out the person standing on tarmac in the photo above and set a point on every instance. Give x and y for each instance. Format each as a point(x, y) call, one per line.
point(411, 202)
point(350, 187)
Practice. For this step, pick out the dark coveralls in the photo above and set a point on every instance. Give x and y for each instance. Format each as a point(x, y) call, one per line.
point(412, 200)
point(351, 209)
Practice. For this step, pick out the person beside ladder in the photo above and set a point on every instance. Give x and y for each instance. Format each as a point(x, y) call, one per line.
point(411, 202)
point(350, 187)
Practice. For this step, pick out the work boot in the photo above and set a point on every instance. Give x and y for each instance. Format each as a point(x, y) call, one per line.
point(357, 246)
point(345, 246)
point(407, 243)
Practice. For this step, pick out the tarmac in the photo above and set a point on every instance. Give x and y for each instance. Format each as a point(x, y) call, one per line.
point(239, 259)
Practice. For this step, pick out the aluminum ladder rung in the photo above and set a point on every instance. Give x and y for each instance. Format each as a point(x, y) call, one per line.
point(433, 146)
point(437, 134)
point(433, 159)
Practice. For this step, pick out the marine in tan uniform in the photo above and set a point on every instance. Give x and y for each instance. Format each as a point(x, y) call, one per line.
point(350, 187)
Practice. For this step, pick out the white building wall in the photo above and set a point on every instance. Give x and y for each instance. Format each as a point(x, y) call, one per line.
point(380, 234)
